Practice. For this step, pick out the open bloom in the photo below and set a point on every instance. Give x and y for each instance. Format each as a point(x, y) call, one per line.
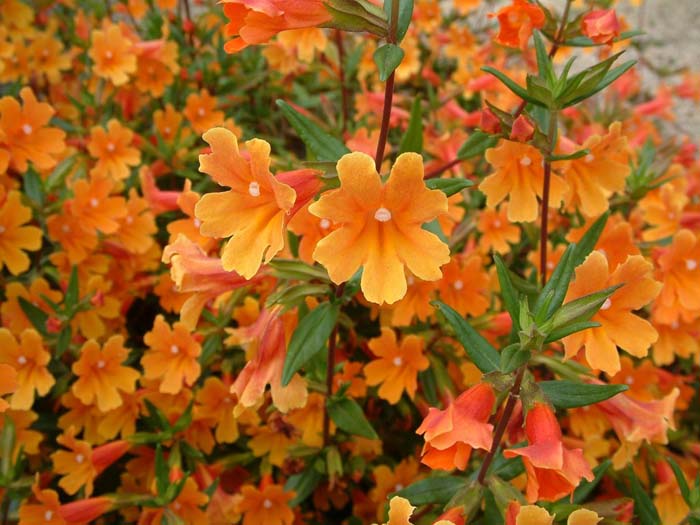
point(518, 175)
point(29, 358)
point(380, 226)
point(172, 356)
point(601, 26)
point(48, 509)
point(101, 375)
point(15, 235)
point(255, 22)
point(451, 434)
point(619, 325)
point(113, 150)
point(517, 21)
point(553, 471)
point(113, 55)
point(268, 505)
point(397, 366)
point(255, 209)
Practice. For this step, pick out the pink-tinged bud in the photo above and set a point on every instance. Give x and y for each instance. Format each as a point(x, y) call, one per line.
point(305, 182)
point(53, 325)
point(489, 122)
point(84, 511)
point(455, 515)
point(175, 474)
point(601, 26)
point(522, 129)
point(158, 200)
point(104, 455)
point(188, 26)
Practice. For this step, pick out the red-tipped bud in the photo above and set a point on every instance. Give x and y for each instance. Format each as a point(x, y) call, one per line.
point(489, 122)
point(601, 26)
point(522, 129)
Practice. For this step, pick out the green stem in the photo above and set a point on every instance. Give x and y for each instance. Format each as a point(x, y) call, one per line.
point(388, 91)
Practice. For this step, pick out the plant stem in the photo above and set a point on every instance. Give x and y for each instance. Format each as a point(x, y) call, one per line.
point(341, 77)
point(544, 228)
point(388, 91)
point(502, 424)
point(330, 366)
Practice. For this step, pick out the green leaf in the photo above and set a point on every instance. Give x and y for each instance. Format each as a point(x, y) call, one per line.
point(435, 228)
point(34, 187)
point(348, 416)
point(560, 333)
point(439, 489)
point(294, 269)
point(581, 309)
point(476, 144)
point(569, 394)
point(357, 15)
point(63, 341)
point(552, 295)
point(644, 507)
point(302, 484)
point(413, 139)
point(309, 338)
point(585, 488)
point(35, 315)
point(513, 86)
point(7, 446)
point(586, 244)
point(508, 293)
point(512, 357)
point(484, 356)
point(570, 156)
point(387, 57)
point(448, 186)
point(680, 479)
point(323, 145)
point(72, 291)
point(162, 472)
point(404, 19)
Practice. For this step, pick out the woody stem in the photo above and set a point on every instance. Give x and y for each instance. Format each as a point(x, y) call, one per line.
point(502, 424)
point(388, 91)
point(544, 229)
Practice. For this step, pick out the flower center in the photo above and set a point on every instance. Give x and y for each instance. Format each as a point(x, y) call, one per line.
point(109, 55)
point(65, 228)
point(458, 284)
point(397, 361)
point(79, 458)
point(398, 487)
point(94, 202)
point(2, 229)
point(177, 505)
point(607, 304)
point(382, 215)
point(691, 264)
point(410, 280)
point(174, 350)
point(111, 147)
point(589, 158)
point(22, 360)
point(27, 129)
point(254, 189)
point(201, 112)
point(166, 130)
point(525, 161)
point(497, 223)
point(101, 363)
point(325, 224)
point(48, 515)
point(129, 219)
point(267, 504)
point(197, 223)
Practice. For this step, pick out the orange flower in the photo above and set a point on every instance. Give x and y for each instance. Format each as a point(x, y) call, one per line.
point(137, 228)
point(200, 110)
point(214, 401)
point(112, 54)
point(189, 227)
point(94, 207)
point(553, 471)
point(592, 179)
point(25, 134)
point(8, 384)
point(309, 419)
point(520, 176)
point(268, 505)
point(380, 226)
point(616, 241)
point(198, 275)
point(601, 26)
point(156, 66)
point(49, 511)
point(465, 285)
point(311, 229)
point(112, 149)
point(254, 211)
point(187, 508)
point(274, 440)
point(48, 57)
point(267, 344)
point(257, 21)
point(416, 302)
point(388, 480)
point(619, 326)
point(172, 356)
point(496, 230)
point(397, 366)
point(517, 21)
point(400, 511)
point(451, 434)
point(15, 237)
point(663, 207)
point(101, 375)
point(678, 270)
point(72, 234)
point(29, 359)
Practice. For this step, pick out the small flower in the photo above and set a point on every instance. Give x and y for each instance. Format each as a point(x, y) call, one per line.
point(397, 366)
point(29, 359)
point(601, 26)
point(465, 285)
point(8, 384)
point(517, 21)
point(93, 206)
point(15, 235)
point(101, 375)
point(215, 402)
point(380, 227)
point(553, 471)
point(451, 434)
point(200, 110)
point(113, 55)
point(112, 149)
point(268, 505)
point(171, 357)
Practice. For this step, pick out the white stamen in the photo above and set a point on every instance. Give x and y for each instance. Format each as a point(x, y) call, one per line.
point(675, 325)
point(174, 350)
point(397, 361)
point(111, 147)
point(410, 280)
point(382, 215)
point(254, 189)
point(325, 224)
point(525, 161)
point(94, 202)
point(129, 219)
point(2, 229)
point(201, 112)
point(79, 458)
point(267, 504)
point(22, 360)
point(167, 130)
point(44, 53)
point(691, 264)
point(109, 55)
point(497, 223)
point(27, 129)
point(549, 265)
point(101, 363)
point(607, 304)
point(629, 380)
point(589, 158)
point(48, 515)
point(398, 487)
point(197, 223)
point(458, 284)
point(65, 228)
point(177, 505)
